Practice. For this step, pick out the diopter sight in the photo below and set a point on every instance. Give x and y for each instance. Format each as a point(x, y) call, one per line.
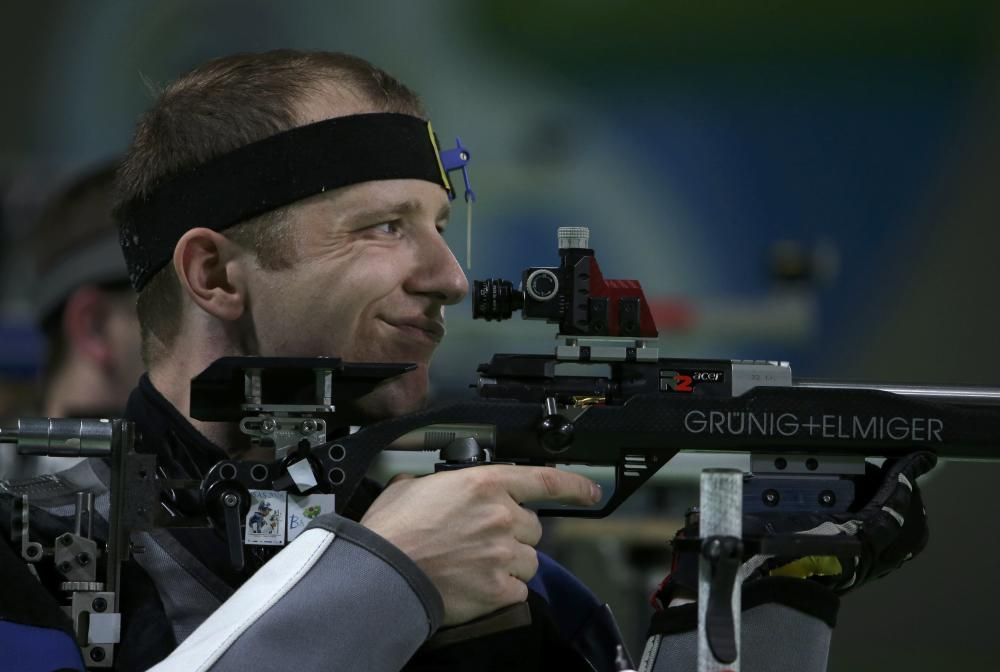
point(573, 295)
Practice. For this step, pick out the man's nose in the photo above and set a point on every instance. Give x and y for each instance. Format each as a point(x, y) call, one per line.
point(439, 273)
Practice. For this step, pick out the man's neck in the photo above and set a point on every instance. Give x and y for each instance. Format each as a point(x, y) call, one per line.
point(172, 378)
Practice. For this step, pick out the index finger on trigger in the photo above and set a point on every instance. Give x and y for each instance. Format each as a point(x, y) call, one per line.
point(548, 484)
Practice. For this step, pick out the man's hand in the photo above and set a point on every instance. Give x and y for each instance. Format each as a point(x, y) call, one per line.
point(467, 531)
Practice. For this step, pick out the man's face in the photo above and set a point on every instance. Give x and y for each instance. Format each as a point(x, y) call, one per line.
point(371, 278)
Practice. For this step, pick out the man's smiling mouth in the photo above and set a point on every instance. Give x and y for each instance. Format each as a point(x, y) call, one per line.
point(419, 327)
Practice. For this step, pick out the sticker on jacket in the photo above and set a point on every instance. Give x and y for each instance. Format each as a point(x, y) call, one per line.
point(302, 509)
point(266, 518)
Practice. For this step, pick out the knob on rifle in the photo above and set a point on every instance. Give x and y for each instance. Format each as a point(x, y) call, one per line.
point(461, 453)
point(555, 431)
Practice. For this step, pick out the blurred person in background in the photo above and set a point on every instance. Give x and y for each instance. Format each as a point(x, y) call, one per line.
point(85, 310)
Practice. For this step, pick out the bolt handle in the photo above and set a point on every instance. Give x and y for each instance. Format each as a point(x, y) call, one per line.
point(556, 433)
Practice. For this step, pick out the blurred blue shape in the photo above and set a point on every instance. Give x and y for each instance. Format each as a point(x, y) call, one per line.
point(22, 348)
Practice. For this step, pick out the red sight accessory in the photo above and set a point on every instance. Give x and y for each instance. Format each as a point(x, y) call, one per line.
point(573, 295)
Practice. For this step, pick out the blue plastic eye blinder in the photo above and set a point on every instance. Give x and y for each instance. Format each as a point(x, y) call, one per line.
point(458, 159)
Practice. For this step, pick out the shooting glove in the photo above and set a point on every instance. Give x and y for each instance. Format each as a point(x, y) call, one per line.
point(891, 526)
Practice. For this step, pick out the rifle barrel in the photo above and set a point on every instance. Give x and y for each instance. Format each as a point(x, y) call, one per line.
point(961, 396)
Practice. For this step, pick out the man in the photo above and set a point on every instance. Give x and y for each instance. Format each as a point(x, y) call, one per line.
point(357, 269)
point(85, 309)
point(288, 204)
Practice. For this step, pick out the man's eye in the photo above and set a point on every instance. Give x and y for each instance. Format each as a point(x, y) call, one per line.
point(391, 228)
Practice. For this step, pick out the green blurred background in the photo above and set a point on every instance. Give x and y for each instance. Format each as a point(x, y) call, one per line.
point(709, 147)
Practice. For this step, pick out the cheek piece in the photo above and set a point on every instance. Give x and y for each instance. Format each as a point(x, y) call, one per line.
point(279, 170)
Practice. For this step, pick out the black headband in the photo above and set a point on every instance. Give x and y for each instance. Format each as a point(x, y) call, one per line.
point(271, 173)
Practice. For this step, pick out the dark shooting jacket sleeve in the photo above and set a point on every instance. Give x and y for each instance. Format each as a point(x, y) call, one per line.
point(337, 598)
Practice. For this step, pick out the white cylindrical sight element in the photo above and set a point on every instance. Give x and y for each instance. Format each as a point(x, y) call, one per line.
point(61, 437)
point(573, 237)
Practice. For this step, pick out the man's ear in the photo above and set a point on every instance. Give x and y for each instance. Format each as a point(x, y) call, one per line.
point(210, 269)
point(85, 324)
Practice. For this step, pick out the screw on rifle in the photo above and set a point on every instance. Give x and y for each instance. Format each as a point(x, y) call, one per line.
point(230, 500)
point(83, 559)
point(812, 464)
point(308, 426)
point(780, 463)
point(66, 540)
point(827, 498)
point(99, 604)
point(268, 425)
point(65, 567)
point(771, 497)
point(97, 654)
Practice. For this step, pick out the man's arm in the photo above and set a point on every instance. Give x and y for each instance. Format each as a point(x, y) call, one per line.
point(343, 597)
point(338, 597)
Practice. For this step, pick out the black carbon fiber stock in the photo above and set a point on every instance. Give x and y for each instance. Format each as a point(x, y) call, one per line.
point(649, 429)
